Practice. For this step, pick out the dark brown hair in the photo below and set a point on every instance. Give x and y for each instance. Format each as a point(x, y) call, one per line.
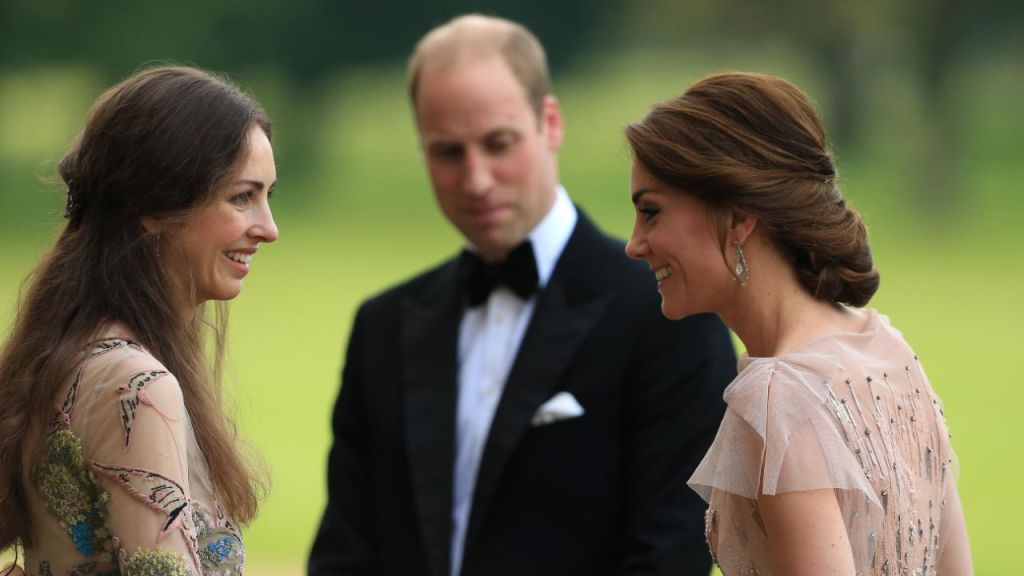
point(157, 145)
point(476, 35)
point(754, 143)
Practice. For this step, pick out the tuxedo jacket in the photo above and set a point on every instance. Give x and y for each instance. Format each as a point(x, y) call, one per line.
point(602, 493)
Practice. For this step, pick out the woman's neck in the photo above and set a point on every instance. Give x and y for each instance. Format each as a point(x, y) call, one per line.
point(775, 314)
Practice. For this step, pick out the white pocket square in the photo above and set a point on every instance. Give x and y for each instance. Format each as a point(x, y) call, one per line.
point(561, 406)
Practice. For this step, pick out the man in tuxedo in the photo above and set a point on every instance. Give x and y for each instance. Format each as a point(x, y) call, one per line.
point(523, 408)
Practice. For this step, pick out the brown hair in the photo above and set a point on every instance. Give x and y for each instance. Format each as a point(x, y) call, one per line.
point(754, 143)
point(157, 145)
point(476, 36)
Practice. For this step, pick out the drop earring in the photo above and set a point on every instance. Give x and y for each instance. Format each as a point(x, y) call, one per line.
point(741, 271)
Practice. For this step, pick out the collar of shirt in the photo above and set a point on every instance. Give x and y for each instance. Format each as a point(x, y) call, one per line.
point(551, 235)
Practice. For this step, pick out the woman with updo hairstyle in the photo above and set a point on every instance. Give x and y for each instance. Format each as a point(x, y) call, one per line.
point(116, 453)
point(833, 456)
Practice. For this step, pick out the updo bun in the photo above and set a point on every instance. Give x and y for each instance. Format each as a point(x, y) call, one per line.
point(754, 143)
point(840, 271)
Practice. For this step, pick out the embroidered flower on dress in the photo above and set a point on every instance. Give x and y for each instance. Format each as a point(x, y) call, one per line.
point(154, 563)
point(70, 492)
point(220, 545)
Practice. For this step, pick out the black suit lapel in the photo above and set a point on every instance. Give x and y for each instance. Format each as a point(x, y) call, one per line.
point(567, 310)
point(429, 340)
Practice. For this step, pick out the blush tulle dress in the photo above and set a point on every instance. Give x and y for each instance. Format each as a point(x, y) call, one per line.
point(855, 413)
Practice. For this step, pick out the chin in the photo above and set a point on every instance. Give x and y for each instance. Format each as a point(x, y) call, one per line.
point(676, 311)
point(225, 294)
point(672, 312)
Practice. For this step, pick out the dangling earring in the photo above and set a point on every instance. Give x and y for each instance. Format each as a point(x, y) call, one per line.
point(741, 270)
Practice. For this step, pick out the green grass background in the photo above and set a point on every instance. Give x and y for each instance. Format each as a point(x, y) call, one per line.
point(356, 214)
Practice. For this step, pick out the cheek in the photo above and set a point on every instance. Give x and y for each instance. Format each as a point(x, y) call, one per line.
point(518, 166)
point(445, 197)
point(445, 181)
point(227, 231)
point(695, 254)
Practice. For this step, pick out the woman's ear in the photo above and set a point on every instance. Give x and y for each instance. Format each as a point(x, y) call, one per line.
point(740, 226)
point(152, 225)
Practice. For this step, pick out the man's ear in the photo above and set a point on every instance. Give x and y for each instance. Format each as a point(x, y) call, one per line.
point(551, 117)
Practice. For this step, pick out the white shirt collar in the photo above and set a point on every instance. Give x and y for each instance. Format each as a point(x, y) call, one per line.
point(552, 233)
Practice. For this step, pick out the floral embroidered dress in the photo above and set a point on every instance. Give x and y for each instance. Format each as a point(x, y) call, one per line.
point(854, 413)
point(123, 488)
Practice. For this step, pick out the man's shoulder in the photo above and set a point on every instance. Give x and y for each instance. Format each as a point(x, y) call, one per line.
point(415, 287)
point(594, 251)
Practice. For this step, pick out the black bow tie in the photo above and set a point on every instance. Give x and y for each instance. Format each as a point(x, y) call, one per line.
point(518, 272)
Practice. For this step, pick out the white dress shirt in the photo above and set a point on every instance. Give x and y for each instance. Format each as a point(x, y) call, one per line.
point(489, 339)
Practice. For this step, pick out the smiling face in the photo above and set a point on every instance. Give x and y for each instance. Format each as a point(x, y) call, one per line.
point(678, 236)
point(491, 159)
point(217, 242)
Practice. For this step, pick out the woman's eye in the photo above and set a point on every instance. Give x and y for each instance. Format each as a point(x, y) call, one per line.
point(648, 212)
point(241, 199)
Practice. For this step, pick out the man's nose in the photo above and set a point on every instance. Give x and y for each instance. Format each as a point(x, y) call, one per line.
point(478, 178)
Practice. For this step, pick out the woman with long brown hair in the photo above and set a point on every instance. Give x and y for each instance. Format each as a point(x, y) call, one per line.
point(116, 454)
point(833, 456)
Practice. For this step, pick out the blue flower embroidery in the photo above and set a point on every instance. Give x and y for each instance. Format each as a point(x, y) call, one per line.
point(81, 532)
point(221, 549)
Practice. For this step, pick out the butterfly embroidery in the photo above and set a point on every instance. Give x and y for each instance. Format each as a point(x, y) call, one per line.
point(159, 493)
point(110, 344)
point(63, 415)
point(224, 522)
point(132, 394)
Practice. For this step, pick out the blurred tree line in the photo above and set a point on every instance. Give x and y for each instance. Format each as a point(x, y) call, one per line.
point(306, 41)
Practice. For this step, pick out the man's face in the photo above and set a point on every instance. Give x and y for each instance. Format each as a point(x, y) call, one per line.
point(491, 159)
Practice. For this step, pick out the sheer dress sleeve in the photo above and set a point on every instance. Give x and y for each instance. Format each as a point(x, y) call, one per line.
point(132, 423)
point(781, 434)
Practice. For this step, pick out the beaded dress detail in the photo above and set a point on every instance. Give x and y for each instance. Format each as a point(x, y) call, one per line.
point(122, 488)
point(855, 413)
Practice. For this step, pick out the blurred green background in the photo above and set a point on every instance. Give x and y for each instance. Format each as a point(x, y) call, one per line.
point(921, 98)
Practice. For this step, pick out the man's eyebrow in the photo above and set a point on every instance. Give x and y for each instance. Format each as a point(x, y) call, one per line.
point(502, 131)
point(438, 144)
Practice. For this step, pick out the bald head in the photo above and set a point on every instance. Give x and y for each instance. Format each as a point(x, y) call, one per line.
point(476, 37)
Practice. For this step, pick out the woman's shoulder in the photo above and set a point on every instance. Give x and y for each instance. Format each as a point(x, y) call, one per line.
point(116, 353)
point(814, 366)
point(806, 373)
point(117, 373)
